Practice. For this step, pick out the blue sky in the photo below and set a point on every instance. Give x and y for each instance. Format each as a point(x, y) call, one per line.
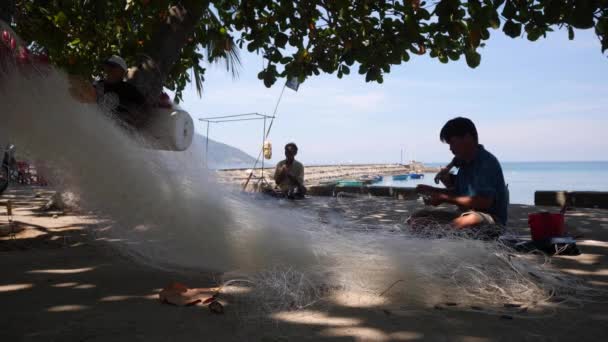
point(540, 101)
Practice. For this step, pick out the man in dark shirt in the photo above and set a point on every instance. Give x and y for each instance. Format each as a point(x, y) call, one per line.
point(478, 189)
point(118, 97)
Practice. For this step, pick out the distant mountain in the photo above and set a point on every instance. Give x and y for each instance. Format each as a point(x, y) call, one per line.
point(222, 156)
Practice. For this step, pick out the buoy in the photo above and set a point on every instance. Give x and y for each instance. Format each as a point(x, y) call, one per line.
point(6, 37)
point(267, 149)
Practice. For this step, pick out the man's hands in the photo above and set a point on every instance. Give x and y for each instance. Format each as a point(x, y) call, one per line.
point(432, 196)
point(436, 199)
point(282, 173)
point(436, 196)
point(425, 189)
point(443, 175)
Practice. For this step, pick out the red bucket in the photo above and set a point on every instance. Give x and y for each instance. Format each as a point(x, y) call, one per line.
point(544, 226)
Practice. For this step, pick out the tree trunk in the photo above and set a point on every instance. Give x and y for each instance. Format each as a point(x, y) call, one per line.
point(164, 49)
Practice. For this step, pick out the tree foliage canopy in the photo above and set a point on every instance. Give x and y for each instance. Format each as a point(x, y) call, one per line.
point(297, 38)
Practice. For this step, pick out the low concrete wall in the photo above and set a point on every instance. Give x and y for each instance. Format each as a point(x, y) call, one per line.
point(317, 175)
point(579, 199)
point(384, 191)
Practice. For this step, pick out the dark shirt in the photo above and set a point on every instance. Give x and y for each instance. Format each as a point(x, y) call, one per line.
point(483, 177)
point(121, 99)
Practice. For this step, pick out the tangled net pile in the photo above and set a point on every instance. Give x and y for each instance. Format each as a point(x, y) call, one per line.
point(393, 266)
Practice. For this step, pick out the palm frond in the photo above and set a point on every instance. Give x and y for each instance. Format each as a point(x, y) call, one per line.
point(224, 49)
point(197, 74)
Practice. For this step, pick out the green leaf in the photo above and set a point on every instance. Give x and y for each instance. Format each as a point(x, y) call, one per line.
point(582, 15)
point(534, 34)
point(60, 19)
point(362, 69)
point(552, 10)
point(453, 55)
point(373, 74)
point(474, 35)
point(269, 78)
point(509, 11)
point(601, 28)
point(294, 41)
point(473, 58)
point(512, 29)
point(281, 40)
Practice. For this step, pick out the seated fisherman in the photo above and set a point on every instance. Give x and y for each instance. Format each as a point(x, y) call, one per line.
point(117, 96)
point(289, 174)
point(478, 189)
point(112, 93)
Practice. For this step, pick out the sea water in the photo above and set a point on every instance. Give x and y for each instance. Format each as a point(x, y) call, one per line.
point(524, 178)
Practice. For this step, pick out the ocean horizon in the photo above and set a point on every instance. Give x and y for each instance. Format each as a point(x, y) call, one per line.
point(524, 178)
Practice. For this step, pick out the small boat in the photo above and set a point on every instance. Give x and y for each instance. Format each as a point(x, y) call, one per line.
point(353, 183)
point(401, 177)
point(415, 175)
point(328, 182)
point(370, 179)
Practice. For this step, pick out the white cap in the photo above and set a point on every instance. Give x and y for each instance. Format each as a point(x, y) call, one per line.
point(118, 61)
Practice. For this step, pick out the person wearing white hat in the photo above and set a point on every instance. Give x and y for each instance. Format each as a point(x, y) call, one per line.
point(117, 96)
point(115, 68)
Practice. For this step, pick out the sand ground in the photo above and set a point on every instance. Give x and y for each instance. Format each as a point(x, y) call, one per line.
point(59, 282)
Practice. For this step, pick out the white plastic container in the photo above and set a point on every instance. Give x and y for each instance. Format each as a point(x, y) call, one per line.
point(170, 129)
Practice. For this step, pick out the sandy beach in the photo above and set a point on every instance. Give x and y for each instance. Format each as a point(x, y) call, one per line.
point(61, 283)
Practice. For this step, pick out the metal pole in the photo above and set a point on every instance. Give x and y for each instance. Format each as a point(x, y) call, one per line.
point(266, 133)
point(276, 107)
point(207, 147)
point(263, 138)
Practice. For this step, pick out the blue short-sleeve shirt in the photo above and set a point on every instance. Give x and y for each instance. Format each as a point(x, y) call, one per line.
point(483, 177)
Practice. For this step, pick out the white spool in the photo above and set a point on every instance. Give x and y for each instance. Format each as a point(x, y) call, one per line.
point(170, 129)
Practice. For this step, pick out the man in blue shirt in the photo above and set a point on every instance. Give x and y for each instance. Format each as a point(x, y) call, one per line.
point(478, 189)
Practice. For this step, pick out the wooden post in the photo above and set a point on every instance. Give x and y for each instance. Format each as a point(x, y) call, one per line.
point(9, 210)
